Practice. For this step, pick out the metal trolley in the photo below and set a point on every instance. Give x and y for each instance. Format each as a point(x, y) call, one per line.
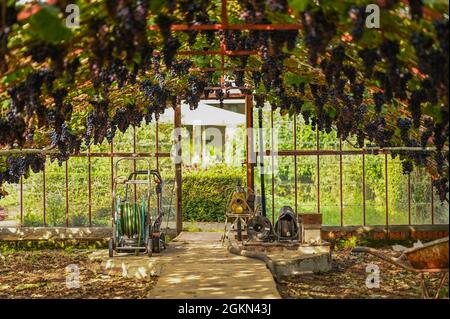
point(134, 227)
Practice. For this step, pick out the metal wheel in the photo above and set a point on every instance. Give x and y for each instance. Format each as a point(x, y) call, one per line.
point(162, 241)
point(111, 247)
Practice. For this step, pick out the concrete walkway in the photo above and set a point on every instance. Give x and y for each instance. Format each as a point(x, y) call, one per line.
point(197, 266)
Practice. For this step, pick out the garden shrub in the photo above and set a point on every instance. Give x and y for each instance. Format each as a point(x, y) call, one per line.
point(206, 191)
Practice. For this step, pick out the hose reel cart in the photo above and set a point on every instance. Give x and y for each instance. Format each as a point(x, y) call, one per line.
point(134, 227)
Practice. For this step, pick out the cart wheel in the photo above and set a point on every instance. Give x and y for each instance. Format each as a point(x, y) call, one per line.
point(149, 248)
point(163, 241)
point(111, 247)
point(156, 244)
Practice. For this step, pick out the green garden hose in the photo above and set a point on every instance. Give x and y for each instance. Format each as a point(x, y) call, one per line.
point(132, 220)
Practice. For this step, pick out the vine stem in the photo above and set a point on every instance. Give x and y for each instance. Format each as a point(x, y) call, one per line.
point(28, 151)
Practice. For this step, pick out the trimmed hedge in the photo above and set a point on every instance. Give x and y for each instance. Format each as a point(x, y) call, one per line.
point(205, 192)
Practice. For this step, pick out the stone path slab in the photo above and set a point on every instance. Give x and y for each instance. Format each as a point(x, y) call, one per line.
point(195, 265)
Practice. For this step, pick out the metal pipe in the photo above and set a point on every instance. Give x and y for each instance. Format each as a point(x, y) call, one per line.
point(44, 197)
point(318, 170)
point(295, 165)
point(67, 192)
point(178, 170)
point(89, 187)
point(249, 142)
point(432, 201)
point(21, 200)
point(386, 193)
point(409, 199)
point(364, 187)
point(340, 183)
point(273, 164)
point(112, 181)
point(261, 161)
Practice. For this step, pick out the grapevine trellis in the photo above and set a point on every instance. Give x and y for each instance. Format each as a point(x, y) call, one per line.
point(64, 89)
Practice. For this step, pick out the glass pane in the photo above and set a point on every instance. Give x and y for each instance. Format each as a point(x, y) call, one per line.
point(398, 192)
point(328, 141)
point(55, 192)
point(124, 142)
point(33, 200)
point(11, 204)
point(78, 191)
point(101, 191)
point(284, 183)
point(352, 196)
point(420, 197)
point(375, 190)
point(146, 138)
point(307, 184)
point(165, 134)
point(283, 131)
point(329, 190)
point(441, 210)
point(306, 136)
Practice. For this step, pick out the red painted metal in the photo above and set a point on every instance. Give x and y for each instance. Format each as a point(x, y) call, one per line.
point(44, 197)
point(249, 143)
point(273, 164)
point(340, 183)
point(21, 200)
point(409, 199)
point(112, 182)
point(432, 201)
point(318, 170)
point(295, 165)
point(364, 187)
point(67, 192)
point(178, 172)
point(386, 192)
point(89, 187)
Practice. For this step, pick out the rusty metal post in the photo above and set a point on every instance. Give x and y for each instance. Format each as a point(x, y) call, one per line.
point(67, 192)
point(178, 169)
point(89, 187)
point(134, 162)
point(273, 163)
point(409, 199)
point(432, 201)
point(112, 182)
point(158, 195)
point(387, 192)
point(295, 165)
point(364, 187)
point(44, 197)
point(340, 183)
point(21, 200)
point(318, 170)
point(250, 160)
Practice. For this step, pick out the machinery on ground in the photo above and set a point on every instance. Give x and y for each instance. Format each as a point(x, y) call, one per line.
point(135, 229)
point(240, 207)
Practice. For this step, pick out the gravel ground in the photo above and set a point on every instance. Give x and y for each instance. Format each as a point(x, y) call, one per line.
point(42, 274)
point(348, 277)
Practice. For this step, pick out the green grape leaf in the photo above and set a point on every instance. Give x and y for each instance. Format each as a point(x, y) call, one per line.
point(47, 25)
point(298, 5)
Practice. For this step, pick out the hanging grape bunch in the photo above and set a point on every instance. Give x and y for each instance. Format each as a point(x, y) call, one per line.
point(385, 86)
